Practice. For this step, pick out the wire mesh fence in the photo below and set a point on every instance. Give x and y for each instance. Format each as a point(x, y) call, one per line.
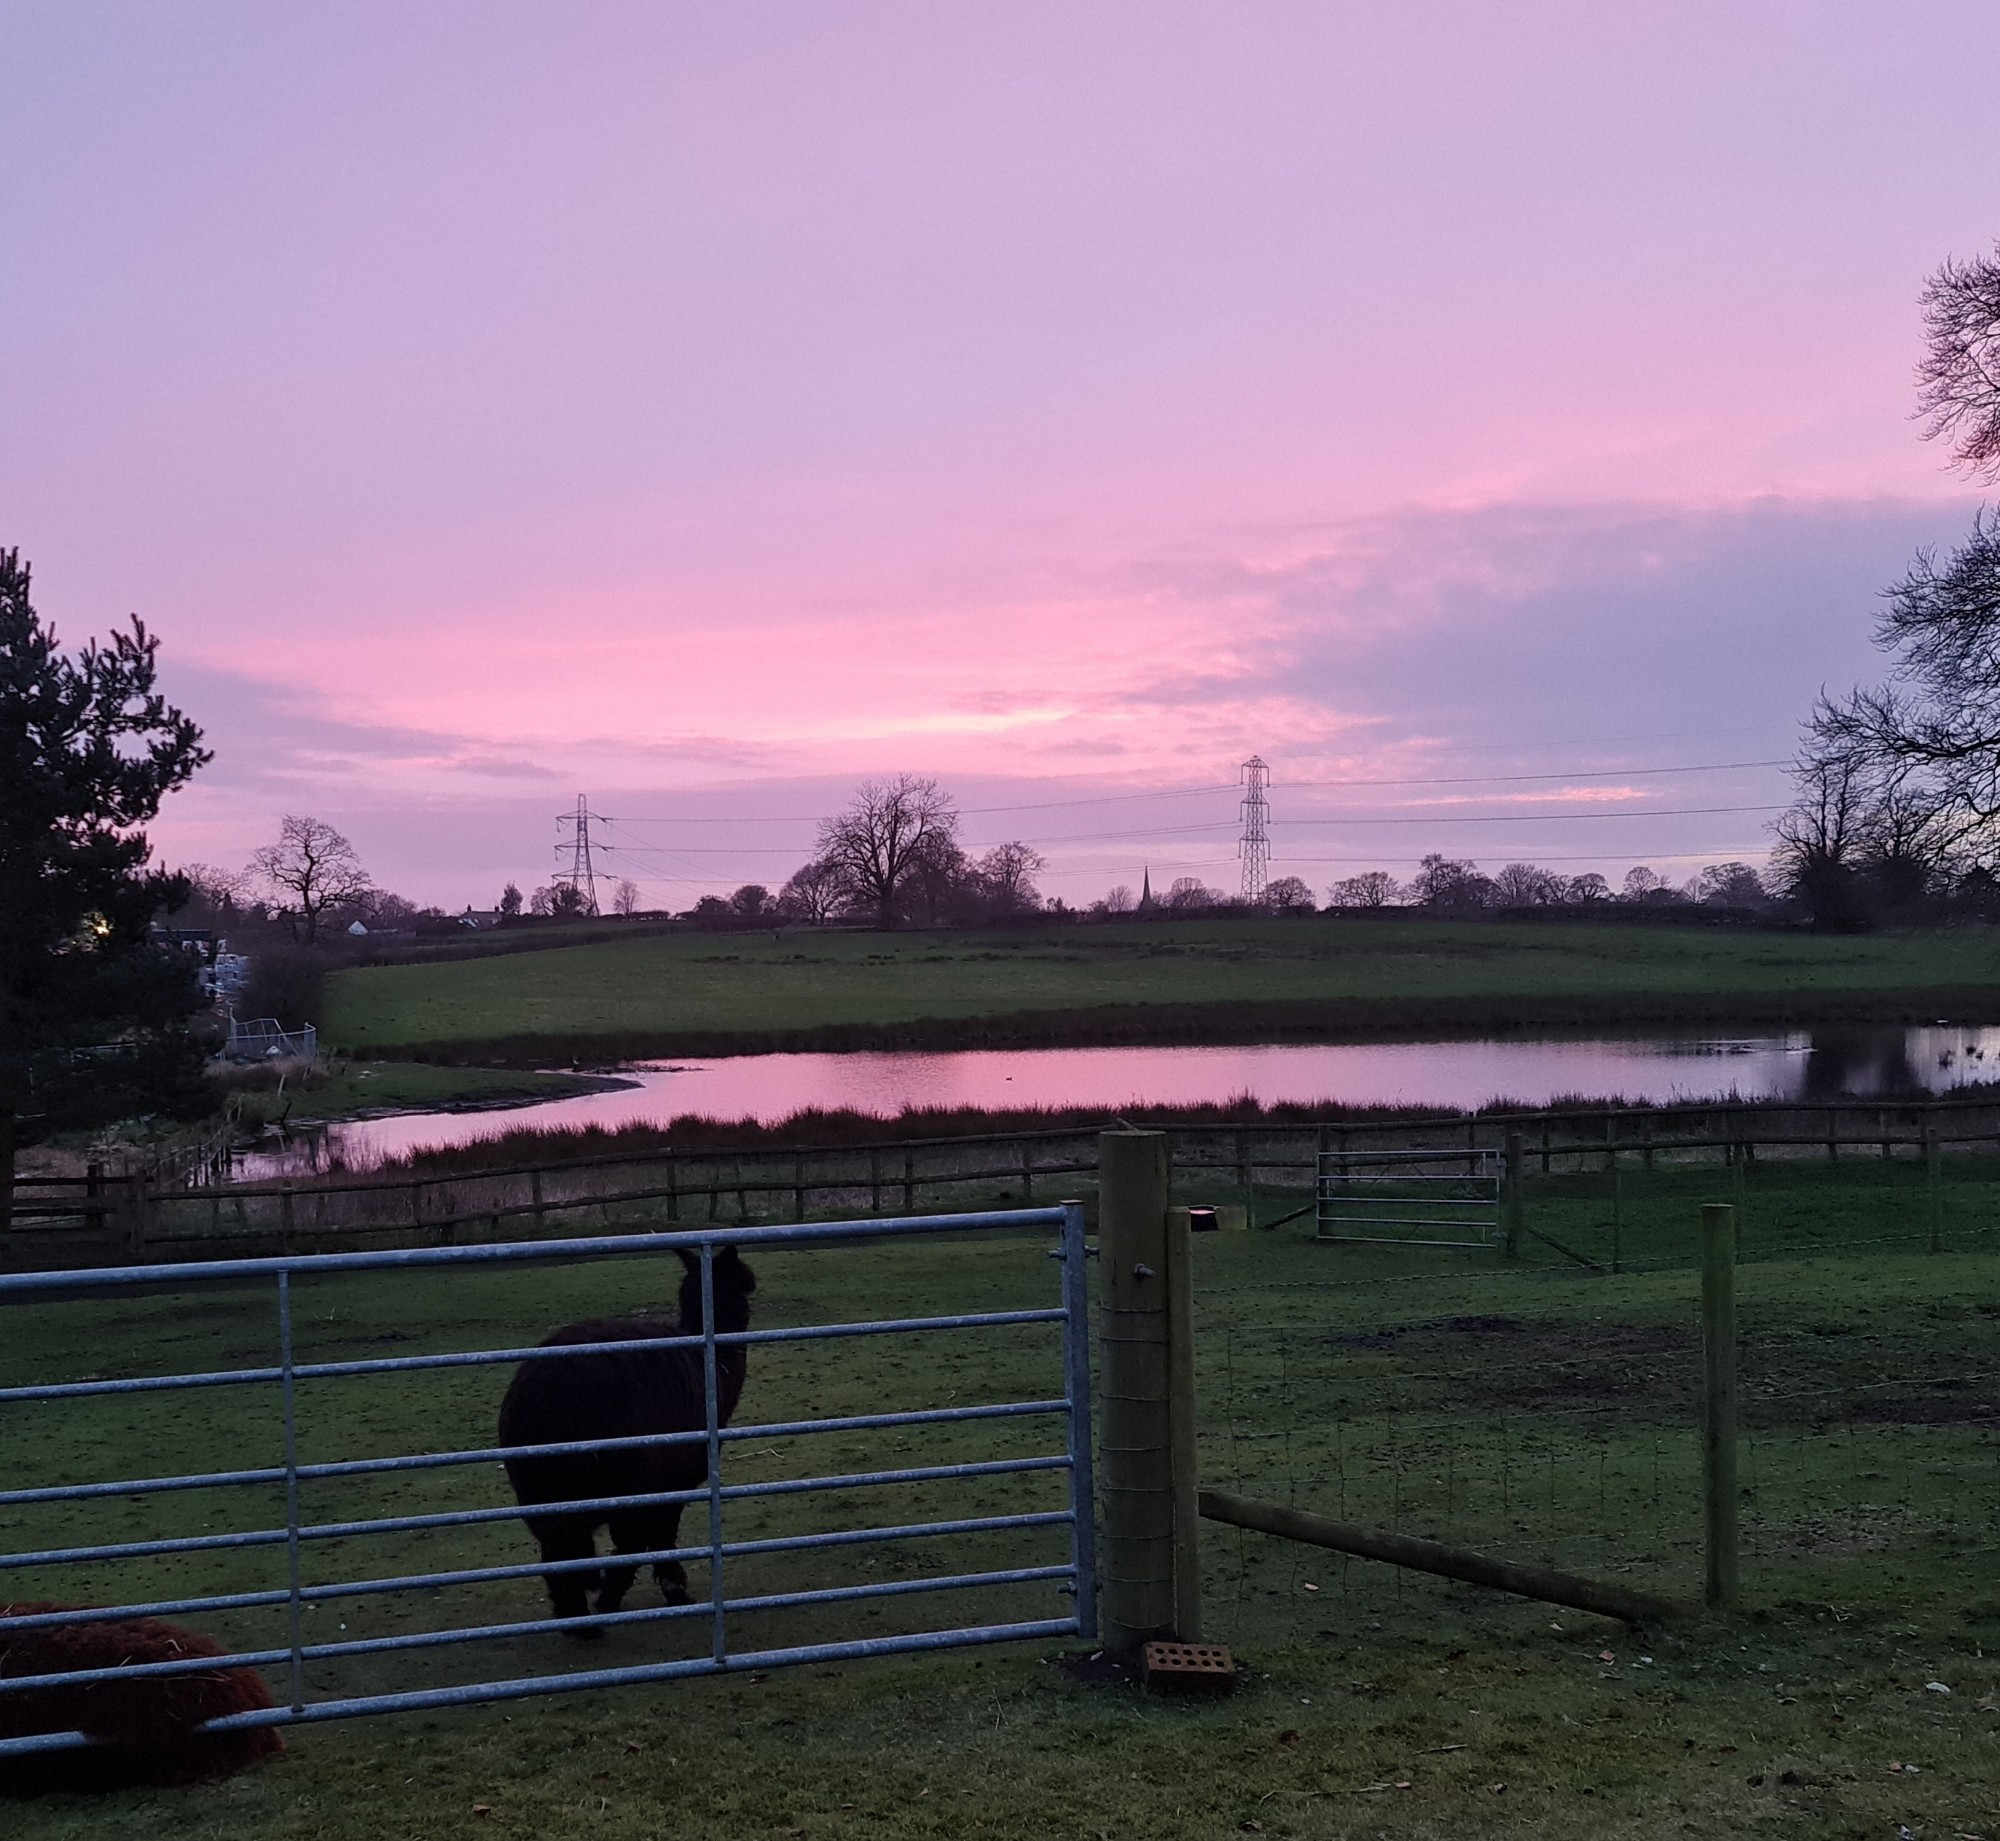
point(1553, 1418)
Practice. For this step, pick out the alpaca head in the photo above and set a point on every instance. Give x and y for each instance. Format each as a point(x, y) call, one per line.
point(734, 1282)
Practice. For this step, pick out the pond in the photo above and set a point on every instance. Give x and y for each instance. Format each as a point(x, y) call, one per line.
point(1816, 1064)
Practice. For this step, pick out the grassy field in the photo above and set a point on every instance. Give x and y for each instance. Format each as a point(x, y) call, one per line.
point(1535, 1409)
point(1219, 980)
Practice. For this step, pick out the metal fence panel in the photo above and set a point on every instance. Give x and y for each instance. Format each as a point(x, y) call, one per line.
point(718, 1546)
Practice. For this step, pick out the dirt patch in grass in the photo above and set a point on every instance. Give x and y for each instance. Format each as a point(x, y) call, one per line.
point(1486, 1361)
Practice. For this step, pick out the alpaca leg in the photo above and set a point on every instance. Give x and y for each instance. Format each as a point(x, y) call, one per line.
point(647, 1531)
point(568, 1537)
point(670, 1575)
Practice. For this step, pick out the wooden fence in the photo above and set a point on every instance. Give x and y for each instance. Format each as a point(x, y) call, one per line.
point(184, 1213)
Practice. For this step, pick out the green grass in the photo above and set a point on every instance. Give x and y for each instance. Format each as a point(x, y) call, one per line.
point(1534, 1409)
point(350, 1089)
point(1215, 980)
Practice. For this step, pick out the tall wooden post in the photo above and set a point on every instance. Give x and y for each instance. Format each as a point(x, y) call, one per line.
point(1148, 1559)
point(1718, 1437)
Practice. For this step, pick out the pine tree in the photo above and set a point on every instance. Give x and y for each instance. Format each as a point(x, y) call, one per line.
point(93, 1016)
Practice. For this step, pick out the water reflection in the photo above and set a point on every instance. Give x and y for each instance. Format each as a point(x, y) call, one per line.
point(1820, 1064)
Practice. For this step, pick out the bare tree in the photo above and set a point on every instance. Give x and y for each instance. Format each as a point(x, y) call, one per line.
point(309, 870)
point(1375, 888)
point(1190, 892)
point(1958, 380)
point(1120, 900)
point(1648, 887)
point(626, 900)
point(1442, 882)
point(1007, 875)
point(1527, 885)
point(217, 890)
point(1289, 895)
point(891, 832)
point(814, 892)
point(752, 901)
point(1728, 885)
point(1581, 890)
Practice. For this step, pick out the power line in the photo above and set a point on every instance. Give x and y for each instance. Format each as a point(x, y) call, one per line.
point(1536, 818)
point(1593, 773)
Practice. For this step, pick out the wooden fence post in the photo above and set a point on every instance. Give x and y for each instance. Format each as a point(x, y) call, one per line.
point(875, 1182)
point(909, 1182)
point(1718, 1441)
point(1513, 1163)
point(1149, 1560)
point(133, 1227)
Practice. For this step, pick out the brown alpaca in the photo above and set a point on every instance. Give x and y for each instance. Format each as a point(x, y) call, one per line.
point(144, 1727)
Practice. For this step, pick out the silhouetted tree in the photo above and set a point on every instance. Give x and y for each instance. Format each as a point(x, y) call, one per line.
point(93, 1015)
point(1527, 885)
point(1958, 381)
point(309, 871)
point(625, 898)
point(813, 893)
point(1728, 885)
point(1189, 893)
point(1374, 888)
point(892, 833)
point(1006, 878)
point(1289, 895)
point(1442, 882)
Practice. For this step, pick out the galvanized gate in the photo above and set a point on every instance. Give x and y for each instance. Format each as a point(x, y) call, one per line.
point(1066, 1402)
point(1363, 1196)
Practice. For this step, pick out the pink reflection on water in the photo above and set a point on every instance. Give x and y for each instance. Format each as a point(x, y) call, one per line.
point(768, 1088)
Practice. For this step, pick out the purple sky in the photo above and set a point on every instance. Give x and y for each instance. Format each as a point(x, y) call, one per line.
point(704, 407)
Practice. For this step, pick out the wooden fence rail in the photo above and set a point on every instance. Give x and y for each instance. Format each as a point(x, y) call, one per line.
point(72, 1220)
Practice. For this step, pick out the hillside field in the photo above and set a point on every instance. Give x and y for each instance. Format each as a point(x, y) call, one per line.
point(1248, 980)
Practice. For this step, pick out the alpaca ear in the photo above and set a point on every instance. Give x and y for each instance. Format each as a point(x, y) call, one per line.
point(692, 1261)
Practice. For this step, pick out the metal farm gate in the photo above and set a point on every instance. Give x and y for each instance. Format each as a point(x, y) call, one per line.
point(1414, 1198)
point(254, 1565)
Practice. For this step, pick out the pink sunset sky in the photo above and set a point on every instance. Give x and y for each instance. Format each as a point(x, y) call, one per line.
point(703, 407)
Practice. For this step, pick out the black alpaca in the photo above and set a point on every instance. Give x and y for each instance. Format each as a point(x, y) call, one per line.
point(623, 1394)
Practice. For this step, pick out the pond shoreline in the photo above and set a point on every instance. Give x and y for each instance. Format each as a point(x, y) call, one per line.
point(1233, 1024)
